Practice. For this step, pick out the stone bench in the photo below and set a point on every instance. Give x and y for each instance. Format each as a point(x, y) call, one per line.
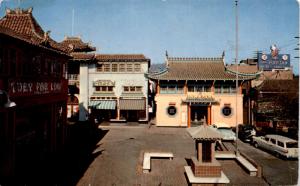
point(252, 170)
point(149, 155)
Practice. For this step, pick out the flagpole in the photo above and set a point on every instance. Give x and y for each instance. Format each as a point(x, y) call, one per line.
point(236, 82)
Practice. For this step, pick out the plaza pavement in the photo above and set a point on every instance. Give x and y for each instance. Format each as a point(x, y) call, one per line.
point(120, 160)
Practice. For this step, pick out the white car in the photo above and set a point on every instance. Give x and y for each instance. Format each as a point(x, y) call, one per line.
point(227, 133)
point(280, 145)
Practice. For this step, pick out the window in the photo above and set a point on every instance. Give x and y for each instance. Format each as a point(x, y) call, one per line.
point(226, 110)
point(100, 68)
point(121, 67)
point(137, 67)
point(273, 141)
point(132, 88)
point(191, 88)
point(171, 110)
point(267, 139)
point(129, 68)
point(104, 88)
point(171, 89)
point(218, 89)
point(280, 144)
point(114, 68)
point(106, 67)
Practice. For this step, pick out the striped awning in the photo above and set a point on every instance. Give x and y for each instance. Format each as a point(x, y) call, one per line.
point(103, 104)
point(132, 104)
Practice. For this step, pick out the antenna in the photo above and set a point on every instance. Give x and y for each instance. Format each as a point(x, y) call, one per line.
point(73, 14)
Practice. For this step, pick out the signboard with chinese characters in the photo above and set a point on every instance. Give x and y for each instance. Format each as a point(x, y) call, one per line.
point(273, 60)
point(29, 88)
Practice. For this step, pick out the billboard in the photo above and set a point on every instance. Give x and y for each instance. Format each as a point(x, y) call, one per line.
point(274, 60)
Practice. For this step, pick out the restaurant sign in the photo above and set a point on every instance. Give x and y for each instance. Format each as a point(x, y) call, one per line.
point(273, 60)
point(29, 88)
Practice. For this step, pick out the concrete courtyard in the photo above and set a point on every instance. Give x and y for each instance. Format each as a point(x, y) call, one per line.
point(120, 155)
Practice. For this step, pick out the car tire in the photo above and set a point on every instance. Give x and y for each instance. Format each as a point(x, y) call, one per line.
point(277, 155)
point(255, 145)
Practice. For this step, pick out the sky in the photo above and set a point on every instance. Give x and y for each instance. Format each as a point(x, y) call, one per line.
point(184, 28)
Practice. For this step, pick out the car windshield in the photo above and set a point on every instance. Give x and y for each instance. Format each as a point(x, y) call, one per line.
point(292, 145)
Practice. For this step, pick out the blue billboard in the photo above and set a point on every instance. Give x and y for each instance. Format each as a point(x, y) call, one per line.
point(273, 60)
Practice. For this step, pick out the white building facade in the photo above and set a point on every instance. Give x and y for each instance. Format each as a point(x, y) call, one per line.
point(114, 88)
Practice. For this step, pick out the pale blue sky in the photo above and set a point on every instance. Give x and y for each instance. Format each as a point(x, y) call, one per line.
point(185, 28)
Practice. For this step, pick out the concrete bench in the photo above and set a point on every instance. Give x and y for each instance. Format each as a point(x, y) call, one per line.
point(247, 165)
point(149, 155)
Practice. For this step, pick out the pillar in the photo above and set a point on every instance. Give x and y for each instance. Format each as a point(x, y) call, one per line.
point(189, 115)
point(158, 88)
point(118, 108)
point(209, 115)
point(185, 87)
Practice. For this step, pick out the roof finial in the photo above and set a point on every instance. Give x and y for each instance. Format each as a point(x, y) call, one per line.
point(167, 54)
point(223, 54)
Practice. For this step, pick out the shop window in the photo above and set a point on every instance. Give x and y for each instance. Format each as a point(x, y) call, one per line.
point(121, 67)
point(137, 67)
point(114, 68)
point(129, 68)
point(226, 110)
point(171, 110)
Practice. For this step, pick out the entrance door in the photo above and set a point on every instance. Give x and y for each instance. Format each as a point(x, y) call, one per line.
point(132, 115)
point(198, 113)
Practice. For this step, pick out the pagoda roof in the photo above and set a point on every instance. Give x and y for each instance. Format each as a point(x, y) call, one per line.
point(75, 44)
point(82, 56)
point(20, 24)
point(204, 132)
point(197, 69)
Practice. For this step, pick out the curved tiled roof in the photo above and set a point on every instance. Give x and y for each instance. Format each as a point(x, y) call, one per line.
point(82, 56)
point(121, 57)
point(75, 44)
point(196, 69)
point(204, 132)
point(21, 24)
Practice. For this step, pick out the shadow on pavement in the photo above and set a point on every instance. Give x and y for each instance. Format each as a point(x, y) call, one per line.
point(67, 166)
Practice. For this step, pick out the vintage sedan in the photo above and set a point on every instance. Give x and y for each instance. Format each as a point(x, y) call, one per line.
point(281, 146)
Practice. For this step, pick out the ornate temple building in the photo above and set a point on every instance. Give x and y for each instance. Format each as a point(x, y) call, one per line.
point(191, 89)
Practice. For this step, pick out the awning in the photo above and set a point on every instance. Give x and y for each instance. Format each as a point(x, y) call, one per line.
point(103, 104)
point(132, 104)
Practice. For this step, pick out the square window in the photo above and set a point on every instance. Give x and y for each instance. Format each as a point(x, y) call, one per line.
point(121, 67)
point(137, 67)
point(129, 67)
point(106, 67)
point(114, 67)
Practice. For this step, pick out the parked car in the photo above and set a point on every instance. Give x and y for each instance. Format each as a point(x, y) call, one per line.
point(227, 133)
point(279, 145)
point(246, 132)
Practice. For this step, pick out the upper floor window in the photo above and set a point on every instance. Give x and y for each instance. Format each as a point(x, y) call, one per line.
point(100, 67)
point(114, 67)
point(171, 89)
point(132, 89)
point(106, 67)
point(129, 67)
point(225, 89)
point(121, 67)
point(137, 67)
point(199, 88)
point(104, 88)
